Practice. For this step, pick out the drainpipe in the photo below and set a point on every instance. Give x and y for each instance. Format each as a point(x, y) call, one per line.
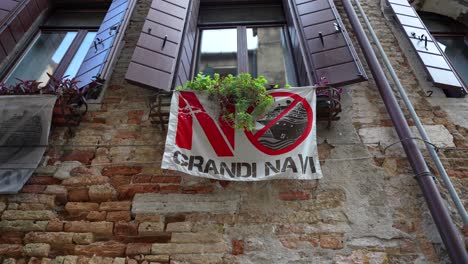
point(447, 229)
point(422, 131)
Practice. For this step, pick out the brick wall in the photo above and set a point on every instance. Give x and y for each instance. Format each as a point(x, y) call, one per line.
point(101, 197)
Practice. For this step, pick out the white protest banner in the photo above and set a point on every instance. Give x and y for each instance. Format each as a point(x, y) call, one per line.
point(282, 145)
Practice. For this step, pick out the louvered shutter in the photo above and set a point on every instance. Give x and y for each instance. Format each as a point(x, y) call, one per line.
point(165, 39)
point(435, 62)
point(330, 53)
point(105, 43)
point(16, 17)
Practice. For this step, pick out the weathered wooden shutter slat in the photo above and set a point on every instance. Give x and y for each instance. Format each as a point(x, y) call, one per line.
point(158, 49)
point(16, 17)
point(330, 53)
point(432, 57)
point(104, 43)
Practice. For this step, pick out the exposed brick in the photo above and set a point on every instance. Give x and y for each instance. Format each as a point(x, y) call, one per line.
point(55, 225)
point(169, 249)
point(75, 208)
point(128, 191)
point(60, 192)
point(78, 195)
point(120, 180)
point(44, 180)
point(118, 216)
point(331, 242)
point(157, 258)
point(166, 179)
point(179, 227)
point(83, 156)
point(147, 217)
point(198, 189)
point(121, 170)
point(81, 172)
point(98, 228)
point(105, 249)
point(54, 238)
point(115, 206)
point(200, 237)
point(85, 181)
point(28, 215)
point(36, 250)
point(150, 228)
point(10, 250)
point(294, 196)
point(142, 178)
point(169, 189)
point(97, 216)
point(83, 238)
point(22, 225)
point(135, 116)
point(138, 248)
point(126, 135)
point(237, 247)
point(126, 229)
point(101, 193)
point(11, 238)
point(33, 188)
point(45, 199)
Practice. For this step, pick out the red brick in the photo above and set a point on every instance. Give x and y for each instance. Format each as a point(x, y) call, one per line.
point(78, 195)
point(44, 180)
point(10, 250)
point(198, 189)
point(237, 247)
point(81, 171)
point(120, 180)
point(55, 225)
point(98, 228)
point(83, 156)
point(169, 189)
point(74, 208)
point(126, 229)
point(11, 238)
point(294, 196)
point(33, 188)
point(121, 170)
point(85, 181)
point(166, 179)
point(118, 216)
point(104, 249)
point(135, 116)
point(141, 178)
point(138, 248)
point(128, 191)
point(96, 216)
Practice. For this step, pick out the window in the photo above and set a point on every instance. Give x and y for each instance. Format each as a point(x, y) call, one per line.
point(253, 41)
point(58, 49)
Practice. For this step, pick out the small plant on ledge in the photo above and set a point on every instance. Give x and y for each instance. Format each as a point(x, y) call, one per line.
point(242, 99)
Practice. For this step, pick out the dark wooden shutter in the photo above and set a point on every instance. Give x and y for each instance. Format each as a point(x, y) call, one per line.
point(16, 17)
point(104, 42)
point(436, 64)
point(330, 53)
point(162, 44)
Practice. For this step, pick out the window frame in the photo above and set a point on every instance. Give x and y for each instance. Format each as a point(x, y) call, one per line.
point(242, 50)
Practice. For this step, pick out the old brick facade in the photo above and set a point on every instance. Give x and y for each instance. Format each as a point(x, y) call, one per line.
point(101, 197)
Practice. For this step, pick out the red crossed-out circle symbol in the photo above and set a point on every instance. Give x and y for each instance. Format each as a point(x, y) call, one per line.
point(296, 99)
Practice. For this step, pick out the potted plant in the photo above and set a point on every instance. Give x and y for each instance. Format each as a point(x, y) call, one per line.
point(241, 99)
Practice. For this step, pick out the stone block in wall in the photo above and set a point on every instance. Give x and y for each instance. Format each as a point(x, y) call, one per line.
point(150, 228)
point(115, 206)
point(36, 250)
point(28, 215)
point(97, 228)
point(54, 238)
point(22, 225)
point(104, 249)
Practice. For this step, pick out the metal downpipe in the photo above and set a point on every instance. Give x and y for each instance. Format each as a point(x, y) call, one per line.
point(422, 131)
point(447, 230)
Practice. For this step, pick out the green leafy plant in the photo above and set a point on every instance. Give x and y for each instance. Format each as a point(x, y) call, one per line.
point(242, 99)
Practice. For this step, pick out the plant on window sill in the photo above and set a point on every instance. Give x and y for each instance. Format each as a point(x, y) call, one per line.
point(70, 106)
point(242, 99)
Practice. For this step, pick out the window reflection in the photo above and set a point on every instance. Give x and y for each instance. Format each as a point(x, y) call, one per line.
point(80, 55)
point(457, 51)
point(43, 57)
point(218, 52)
point(268, 55)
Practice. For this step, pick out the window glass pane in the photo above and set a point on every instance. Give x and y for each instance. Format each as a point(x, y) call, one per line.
point(77, 60)
point(269, 55)
point(43, 57)
point(456, 50)
point(218, 51)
